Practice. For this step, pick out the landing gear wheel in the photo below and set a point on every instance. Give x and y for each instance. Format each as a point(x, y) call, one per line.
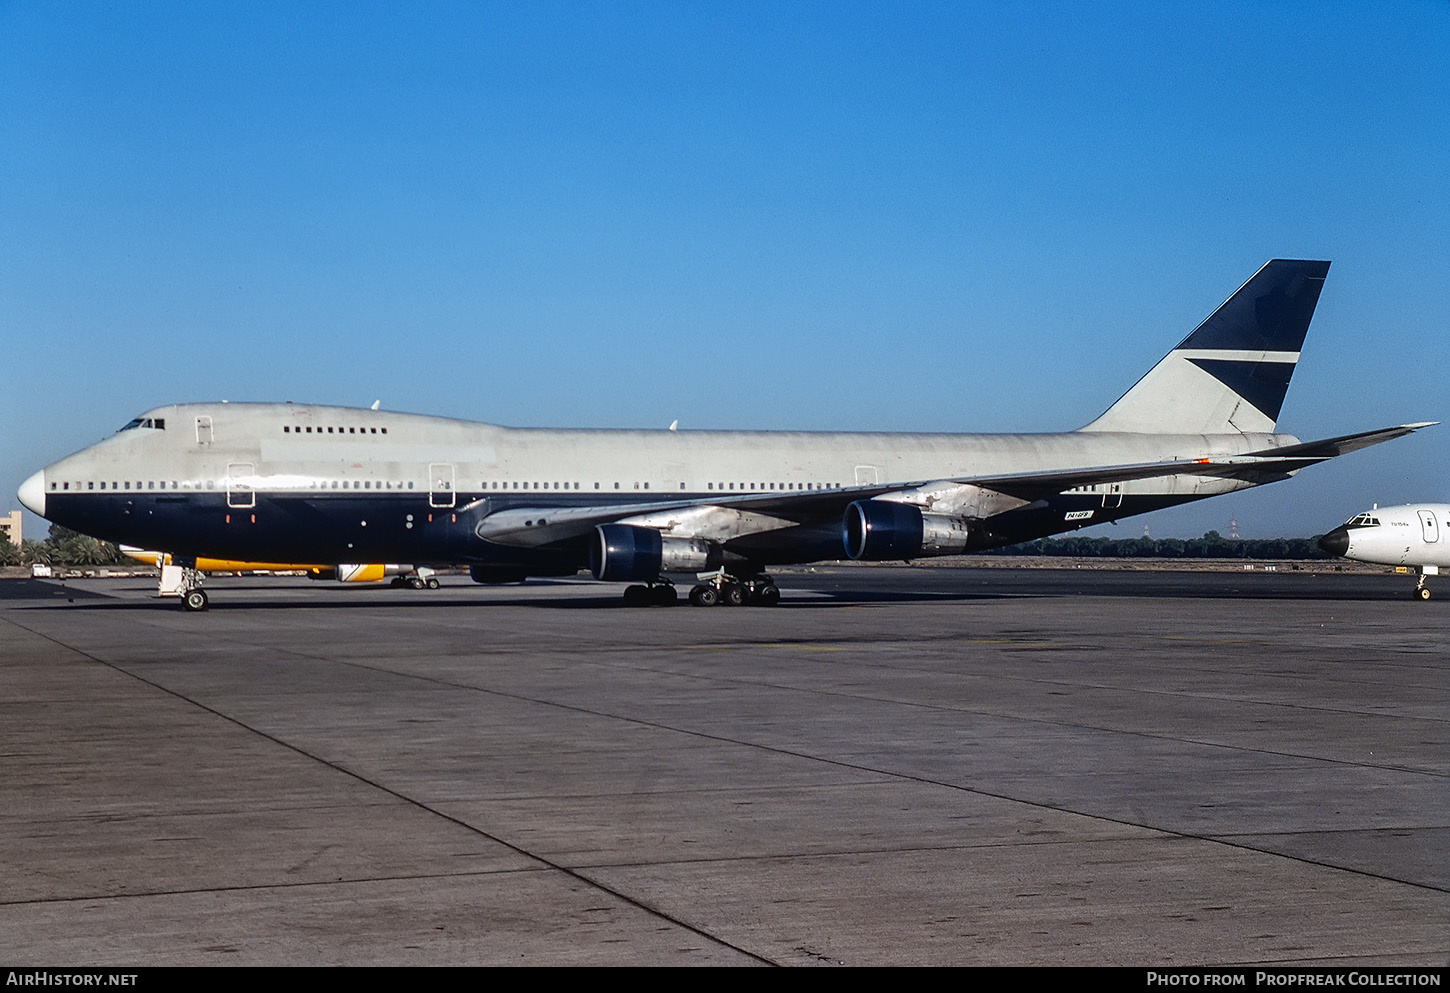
point(415, 582)
point(1422, 592)
point(704, 596)
point(398, 582)
point(432, 583)
point(636, 596)
point(767, 595)
point(193, 600)
point(664, 595)
point(733, 595)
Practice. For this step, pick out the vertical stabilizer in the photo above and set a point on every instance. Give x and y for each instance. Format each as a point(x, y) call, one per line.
point(1231, 374)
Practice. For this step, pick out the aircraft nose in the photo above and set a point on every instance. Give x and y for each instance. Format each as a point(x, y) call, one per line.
point(32, 493)
point(1335, 542)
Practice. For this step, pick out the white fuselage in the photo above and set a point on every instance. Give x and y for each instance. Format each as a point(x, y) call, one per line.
point(332, 484)
point(287, 448)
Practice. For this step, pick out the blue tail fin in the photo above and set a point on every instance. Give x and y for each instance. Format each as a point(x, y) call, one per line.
point(1231, 373)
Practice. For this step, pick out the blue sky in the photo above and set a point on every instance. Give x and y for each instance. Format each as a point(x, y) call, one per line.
point(906, 216)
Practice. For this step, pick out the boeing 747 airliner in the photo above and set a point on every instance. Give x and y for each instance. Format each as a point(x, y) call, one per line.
point(296, 483)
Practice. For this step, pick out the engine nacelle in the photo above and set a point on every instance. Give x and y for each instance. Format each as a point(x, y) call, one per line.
point(689, 555)
point(623, 553)
point(882, 530)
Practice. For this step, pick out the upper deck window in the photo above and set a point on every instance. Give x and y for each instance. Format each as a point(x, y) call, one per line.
point(307, 429)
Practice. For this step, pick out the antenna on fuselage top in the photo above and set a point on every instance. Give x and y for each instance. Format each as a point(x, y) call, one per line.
point(376, 405)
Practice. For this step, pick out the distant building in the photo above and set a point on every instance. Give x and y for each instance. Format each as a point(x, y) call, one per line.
point(10, 524)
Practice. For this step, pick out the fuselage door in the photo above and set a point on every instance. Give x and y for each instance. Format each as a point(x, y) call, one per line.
point(1430, 526)
point(440, 484)
point(1114, 496)
point(868, 475)
point(240, 493)
point(203, 430)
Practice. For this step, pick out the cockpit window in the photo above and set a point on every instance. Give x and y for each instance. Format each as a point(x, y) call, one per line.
point(1363, 521)
point(156, 423)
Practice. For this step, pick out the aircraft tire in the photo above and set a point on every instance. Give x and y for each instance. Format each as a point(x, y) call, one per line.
point(193, 600)
point(1422, 592)
point(767, 595)
point(636, 596)
point(704, 596)
point(733, 595)
point(664, 596)
point(432, 583)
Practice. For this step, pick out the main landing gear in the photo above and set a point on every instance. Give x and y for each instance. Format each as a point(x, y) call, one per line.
point(1422, 592)
point(732, 591)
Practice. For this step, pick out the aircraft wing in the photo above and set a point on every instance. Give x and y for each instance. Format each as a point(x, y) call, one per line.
point(536, 526)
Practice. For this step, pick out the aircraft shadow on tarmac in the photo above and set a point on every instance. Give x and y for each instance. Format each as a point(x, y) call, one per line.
point(37, 589)
point(817, 596)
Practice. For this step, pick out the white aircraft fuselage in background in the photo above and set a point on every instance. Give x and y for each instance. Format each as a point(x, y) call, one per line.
point(291, 482)
point(1416, 536)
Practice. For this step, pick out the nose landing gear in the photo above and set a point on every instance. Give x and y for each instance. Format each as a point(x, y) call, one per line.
point(187, 586)
point(1422, 592)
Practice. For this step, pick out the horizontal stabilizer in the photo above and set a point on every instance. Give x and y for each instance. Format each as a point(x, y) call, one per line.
point(1288, 459)
point(1330, 448)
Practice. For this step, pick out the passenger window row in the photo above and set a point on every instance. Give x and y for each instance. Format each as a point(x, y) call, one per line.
point(798, 487)
point(384, 484)
point(126, 485)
